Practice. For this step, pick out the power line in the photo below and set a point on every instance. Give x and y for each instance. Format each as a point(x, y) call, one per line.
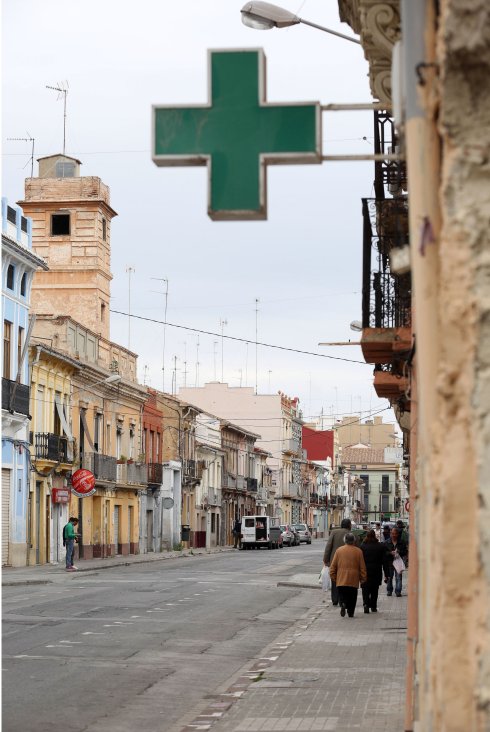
point(241, 340)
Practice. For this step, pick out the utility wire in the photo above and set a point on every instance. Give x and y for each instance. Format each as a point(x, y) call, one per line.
point(241, 340)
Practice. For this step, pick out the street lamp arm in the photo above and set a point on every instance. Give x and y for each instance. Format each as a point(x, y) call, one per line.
point(328, 30)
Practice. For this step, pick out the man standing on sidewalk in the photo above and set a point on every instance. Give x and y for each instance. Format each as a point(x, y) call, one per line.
point(395, 548)
point(335, 540)
point(69, 536)
point(348, 570)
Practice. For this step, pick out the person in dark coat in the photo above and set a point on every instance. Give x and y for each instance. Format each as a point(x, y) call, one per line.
point(395, 547)
point(376, 559)
point(237, 534)
point(335, 540)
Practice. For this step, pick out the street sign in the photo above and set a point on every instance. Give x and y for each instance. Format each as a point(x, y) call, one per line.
point(60, 495)
point(237, 134)
point(83, 483)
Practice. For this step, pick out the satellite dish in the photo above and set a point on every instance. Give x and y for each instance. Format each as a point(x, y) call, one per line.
point(168, 503)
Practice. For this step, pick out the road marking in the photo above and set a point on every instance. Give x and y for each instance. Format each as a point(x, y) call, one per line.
point(77, 642)
point(90, 632)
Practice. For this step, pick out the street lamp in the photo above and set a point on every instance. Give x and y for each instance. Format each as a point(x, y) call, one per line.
point(264, 16)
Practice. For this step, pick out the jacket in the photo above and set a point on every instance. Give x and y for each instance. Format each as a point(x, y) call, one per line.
point(376, 558)
point(348, 568)
point(401, 548)
point(335, 540)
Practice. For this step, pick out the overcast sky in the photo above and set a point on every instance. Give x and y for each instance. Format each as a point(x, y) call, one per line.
point(303, 264)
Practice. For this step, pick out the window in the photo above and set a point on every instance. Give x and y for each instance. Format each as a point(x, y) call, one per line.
point(131, 443)
point(57, 422)
point(365, 479)
point(213, 523)
point(7, 339)
point(104, 229)
point(10, 276)
point(366, 503)
point(108, 439)
point(65, 170)
point(20, 343)
point(385, 483)
point(23, 284)
point(385, 503)
point(118, 443)
point(60, 224)
point(102, 312)
point(97, 432)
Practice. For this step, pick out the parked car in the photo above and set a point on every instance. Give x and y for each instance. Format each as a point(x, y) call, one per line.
point(288, 537)
point(304, 533)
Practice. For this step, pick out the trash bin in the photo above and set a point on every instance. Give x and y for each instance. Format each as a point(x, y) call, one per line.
point(185, 532)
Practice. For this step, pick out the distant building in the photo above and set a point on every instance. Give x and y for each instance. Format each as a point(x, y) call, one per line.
point(18, 266)
point(380, 489)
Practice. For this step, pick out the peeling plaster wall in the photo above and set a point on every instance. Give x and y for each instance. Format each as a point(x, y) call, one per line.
point(457, 694)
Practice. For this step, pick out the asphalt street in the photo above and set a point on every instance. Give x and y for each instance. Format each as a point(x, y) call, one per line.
point(138, 647)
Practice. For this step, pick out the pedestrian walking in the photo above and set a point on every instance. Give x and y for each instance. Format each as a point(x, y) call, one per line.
point(348, 570)
point(237, 534)
point(377, 530)
point(397, 549)
point(69, 538)
point(386, 533)
point(376, 560)
point(402, 531)
point(335, 540)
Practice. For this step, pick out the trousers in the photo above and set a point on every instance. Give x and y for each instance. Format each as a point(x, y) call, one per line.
point(348, 598)
point(70, 547)
point(398, 582)
point(334, 593)
point(370, 594)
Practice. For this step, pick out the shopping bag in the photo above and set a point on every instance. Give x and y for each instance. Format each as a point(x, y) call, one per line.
point(399, 565)
point(325, 579)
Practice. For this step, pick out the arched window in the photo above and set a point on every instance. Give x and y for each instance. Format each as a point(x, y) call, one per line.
point(23, 284)
point(10, 276)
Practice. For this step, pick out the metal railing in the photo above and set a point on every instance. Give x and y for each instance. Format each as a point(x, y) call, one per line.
point(137, 473)
point(252, 484)
point(386, 299)
point(229, 481)
point(48, 446)
point(155, 473)
point(104, 467)
point(14, 398)
point(291, 445)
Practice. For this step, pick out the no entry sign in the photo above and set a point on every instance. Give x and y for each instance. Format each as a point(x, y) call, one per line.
point(83, 483)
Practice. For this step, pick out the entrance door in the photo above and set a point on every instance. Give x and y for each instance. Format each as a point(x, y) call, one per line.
point(56, 512)
point(6, 476)
point(149, 531)
point(116, 528)
point(80, 528)
point(47, 529)
point(38, 521)
point(130, 524)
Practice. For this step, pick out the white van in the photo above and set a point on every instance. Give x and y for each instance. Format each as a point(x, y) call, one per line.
point(260, 531)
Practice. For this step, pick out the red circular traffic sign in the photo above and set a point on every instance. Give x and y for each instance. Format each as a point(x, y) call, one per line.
point(407, 506)
point(83, 483)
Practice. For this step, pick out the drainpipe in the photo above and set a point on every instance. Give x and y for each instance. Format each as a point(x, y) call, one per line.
point(423, 166)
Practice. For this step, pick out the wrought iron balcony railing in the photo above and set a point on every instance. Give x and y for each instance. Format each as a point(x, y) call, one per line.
point(252, 484)
point(386, 299)
point(48, 446)
point(104, 467)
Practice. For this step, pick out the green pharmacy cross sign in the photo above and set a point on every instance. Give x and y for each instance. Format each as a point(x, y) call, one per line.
point(237, 134)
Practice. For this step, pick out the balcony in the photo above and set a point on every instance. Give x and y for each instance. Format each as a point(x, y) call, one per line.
point(386, 297)
point(137, 473)
point(229, 482)
point(390, 385)
point(291, 490)
point(214, 497)
point(48, 446)
point(155, 473)
point(314, 498)
point(15, 401)
point(104, 467)
point(252, 485)
point(291, 445)
point(241, 483)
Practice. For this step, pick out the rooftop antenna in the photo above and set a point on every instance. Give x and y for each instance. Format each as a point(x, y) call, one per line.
point(197, 362)
point(256, 338)
point(26, 139)
point(222, 322)
point(185, 364)
point(129, 270)
point(165, 294)
point(62, 90)
point(215, 349)
point(145, 374)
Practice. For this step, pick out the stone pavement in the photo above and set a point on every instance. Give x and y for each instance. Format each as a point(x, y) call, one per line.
point(45, 573)
point(324, 673)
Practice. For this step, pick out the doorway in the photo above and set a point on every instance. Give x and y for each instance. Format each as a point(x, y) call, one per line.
point(38, 522)
point(149, 531)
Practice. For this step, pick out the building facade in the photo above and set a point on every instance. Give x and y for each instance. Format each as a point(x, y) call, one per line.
point(19, 263)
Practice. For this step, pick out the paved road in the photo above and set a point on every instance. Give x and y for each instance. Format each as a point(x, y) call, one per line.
point(136, 648)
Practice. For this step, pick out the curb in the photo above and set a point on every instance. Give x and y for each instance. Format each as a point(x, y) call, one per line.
point(299, 584)
point(111, 564)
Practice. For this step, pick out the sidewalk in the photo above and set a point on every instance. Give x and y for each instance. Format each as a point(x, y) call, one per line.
point(324, 673)
point(45, 573)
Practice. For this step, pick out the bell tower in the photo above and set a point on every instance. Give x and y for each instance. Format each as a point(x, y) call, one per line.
point(71, 229)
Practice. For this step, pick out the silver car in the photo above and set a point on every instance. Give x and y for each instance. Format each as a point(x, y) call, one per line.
point(304, 533)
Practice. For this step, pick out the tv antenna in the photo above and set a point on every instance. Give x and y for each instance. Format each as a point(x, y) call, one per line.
point(62, 90)
point(26, 139)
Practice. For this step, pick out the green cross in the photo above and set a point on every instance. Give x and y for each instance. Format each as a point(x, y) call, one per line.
point(236, 135)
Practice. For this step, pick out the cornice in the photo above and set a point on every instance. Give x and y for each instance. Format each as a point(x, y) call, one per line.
point(378, 24)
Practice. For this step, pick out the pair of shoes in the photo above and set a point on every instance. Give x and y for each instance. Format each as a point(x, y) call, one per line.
point(366, 609)
point(70, 569)
point(389, 594)
point(335, 604)
point(351, 615)
point(374, 609)
point(398, 594)
point(342, 610)
point(73, 567)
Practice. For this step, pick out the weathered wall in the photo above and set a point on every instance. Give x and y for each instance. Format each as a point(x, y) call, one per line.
point(457, 610)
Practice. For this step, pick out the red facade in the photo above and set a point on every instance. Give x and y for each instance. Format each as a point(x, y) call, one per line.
point(318, 444)
point(152, 429)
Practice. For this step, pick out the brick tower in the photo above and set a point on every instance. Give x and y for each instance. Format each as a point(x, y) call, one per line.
point(71, 228)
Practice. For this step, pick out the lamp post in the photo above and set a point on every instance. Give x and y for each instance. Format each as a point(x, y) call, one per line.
point(264, 16)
